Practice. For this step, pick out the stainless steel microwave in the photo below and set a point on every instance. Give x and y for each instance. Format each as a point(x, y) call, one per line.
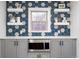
point(38, 45)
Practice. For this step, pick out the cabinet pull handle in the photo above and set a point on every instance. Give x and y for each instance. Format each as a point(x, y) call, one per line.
point(62, 43)
point(14, 43)
point(17, 43)
point(39, 56)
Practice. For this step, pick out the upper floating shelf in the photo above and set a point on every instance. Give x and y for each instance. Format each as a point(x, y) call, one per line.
point(62, 10)
point(15, 10)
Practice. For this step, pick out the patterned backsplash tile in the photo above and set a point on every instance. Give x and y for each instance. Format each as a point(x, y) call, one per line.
point(22, 30)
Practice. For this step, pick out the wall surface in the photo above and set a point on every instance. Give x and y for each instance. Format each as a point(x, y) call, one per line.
point(74, 21)
point(2, 19)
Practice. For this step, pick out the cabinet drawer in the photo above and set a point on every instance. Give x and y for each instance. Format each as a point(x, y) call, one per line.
point(39, 55)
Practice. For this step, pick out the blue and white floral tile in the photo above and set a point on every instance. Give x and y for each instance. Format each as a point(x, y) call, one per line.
point(22, 30)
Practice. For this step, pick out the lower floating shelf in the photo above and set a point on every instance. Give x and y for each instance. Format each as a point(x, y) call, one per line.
point(14, 23)
point(61, 23)
point(15, 10)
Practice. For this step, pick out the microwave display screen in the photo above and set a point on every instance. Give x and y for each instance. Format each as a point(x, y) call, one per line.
point(46, 45)
point(36, 46)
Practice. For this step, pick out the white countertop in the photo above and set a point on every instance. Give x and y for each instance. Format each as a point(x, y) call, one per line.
point(39, 37)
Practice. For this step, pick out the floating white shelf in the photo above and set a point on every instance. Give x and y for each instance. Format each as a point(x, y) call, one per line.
point(61, 23)
point(15, 10)
point(62, 10)
point(14, 23)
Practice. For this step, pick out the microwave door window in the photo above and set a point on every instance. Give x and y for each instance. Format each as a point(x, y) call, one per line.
point(36, 46)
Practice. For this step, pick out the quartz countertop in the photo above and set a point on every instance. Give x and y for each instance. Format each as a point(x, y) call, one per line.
point(39, 37)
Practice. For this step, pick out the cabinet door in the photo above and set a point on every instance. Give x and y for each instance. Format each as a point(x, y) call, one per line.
point(69, 48)
point(10, 48)
point(22, 48)
point(2, 48)
point(55, 48)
